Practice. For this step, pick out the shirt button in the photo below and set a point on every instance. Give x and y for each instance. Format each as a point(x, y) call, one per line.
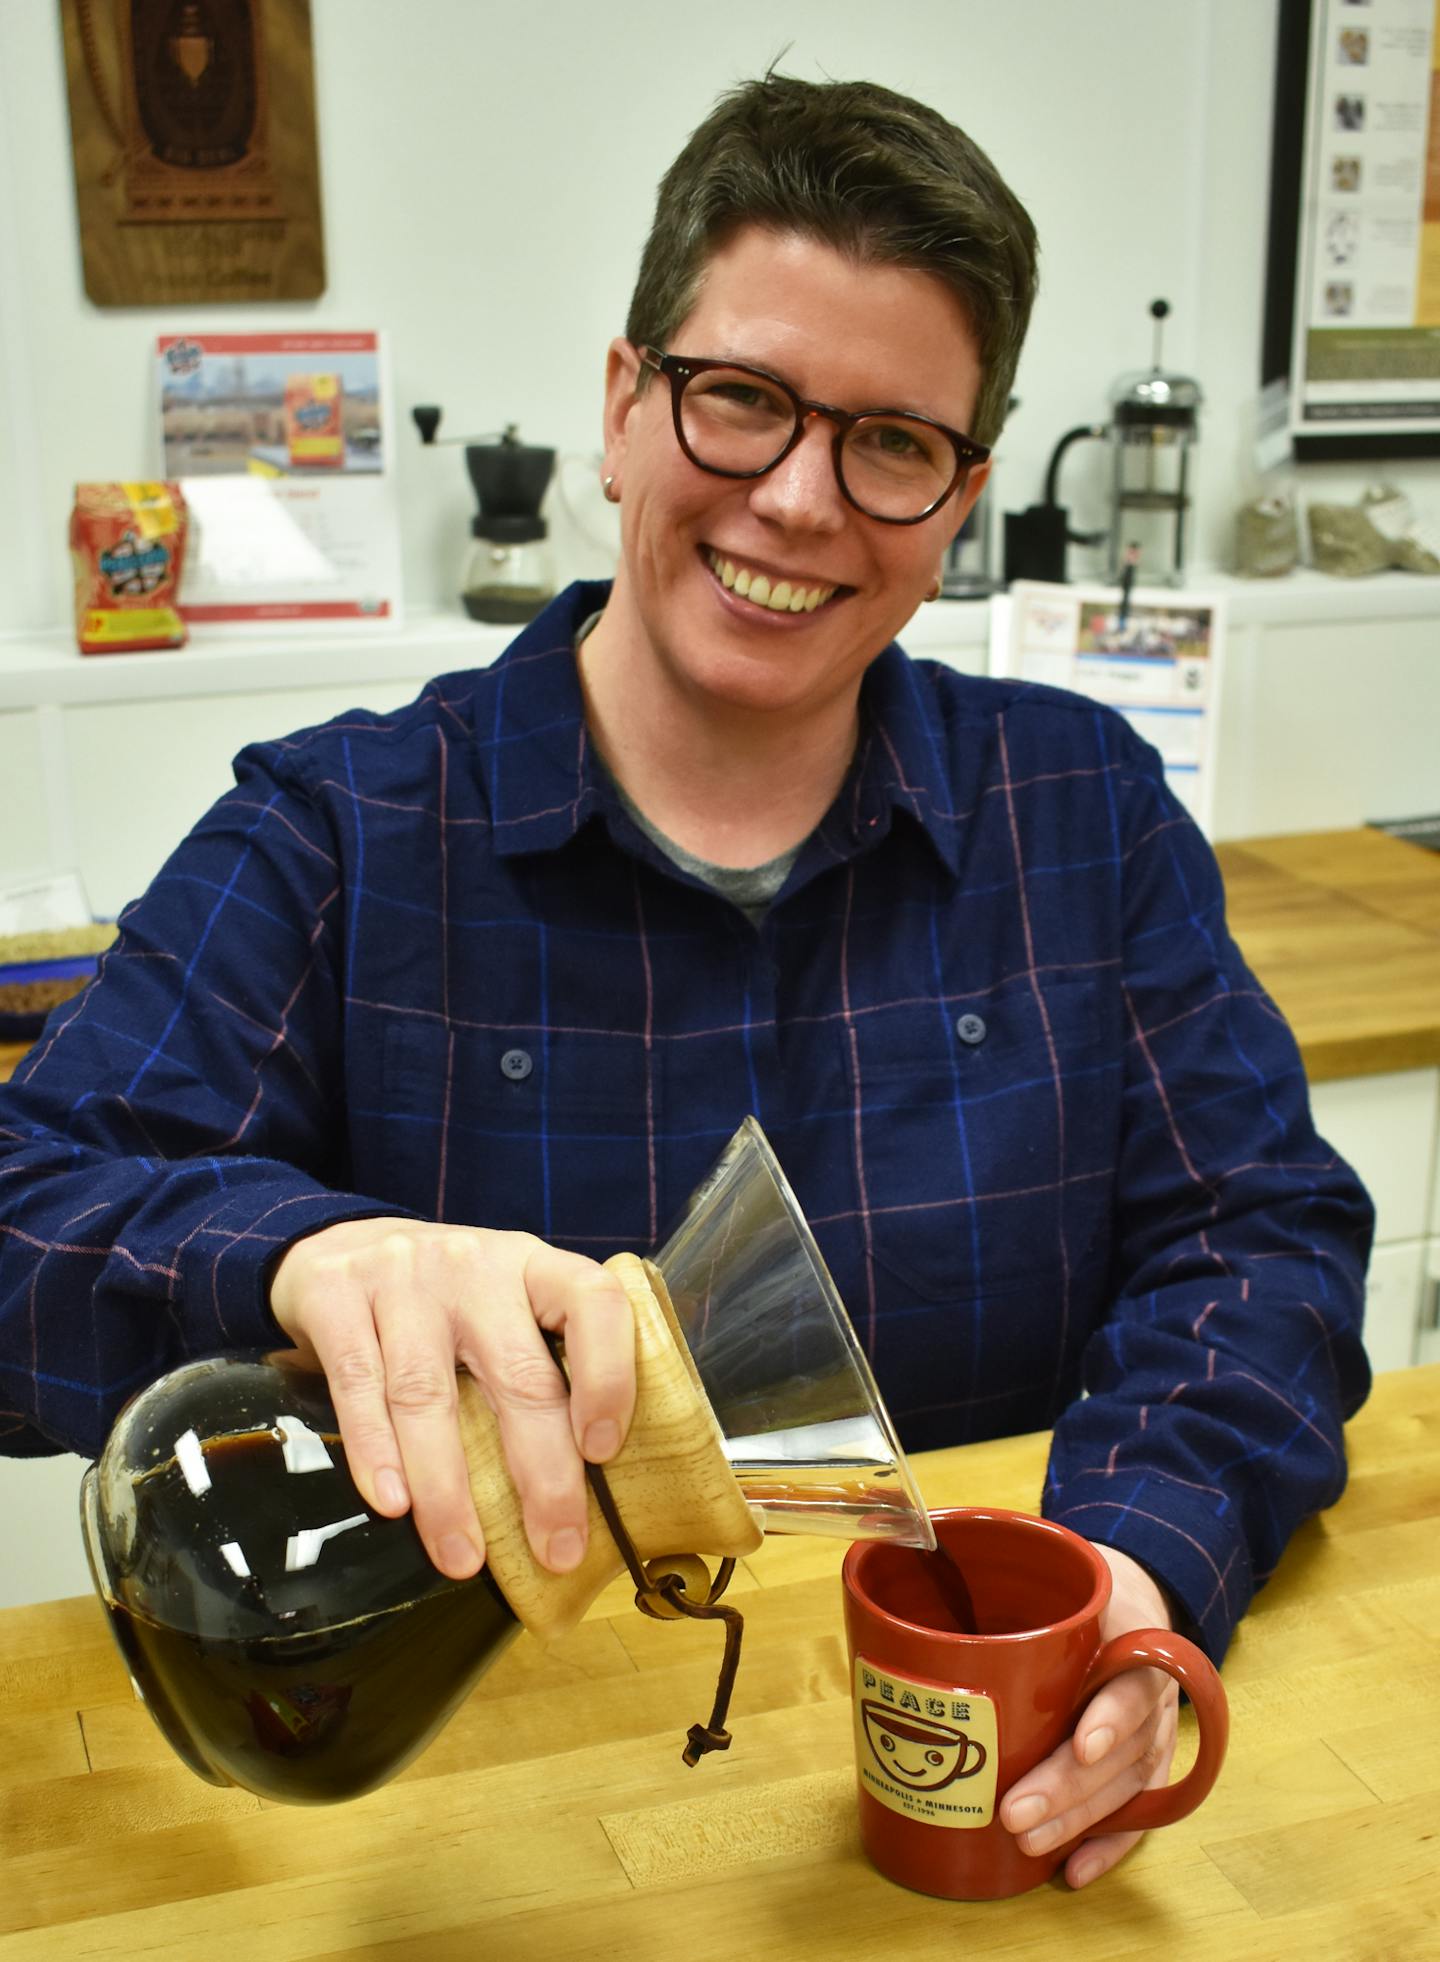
point(516, 1064)
point(971, 1029)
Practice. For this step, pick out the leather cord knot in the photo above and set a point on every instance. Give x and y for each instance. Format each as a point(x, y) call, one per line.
point(663, 1591)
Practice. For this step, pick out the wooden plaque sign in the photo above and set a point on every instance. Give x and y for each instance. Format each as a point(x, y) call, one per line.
point(197, 176)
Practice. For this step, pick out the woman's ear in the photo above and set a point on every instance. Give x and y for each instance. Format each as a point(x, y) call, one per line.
point(970, 496)
point(622, 374)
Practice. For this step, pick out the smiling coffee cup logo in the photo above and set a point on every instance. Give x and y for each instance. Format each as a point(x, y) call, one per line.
point(926, 1751)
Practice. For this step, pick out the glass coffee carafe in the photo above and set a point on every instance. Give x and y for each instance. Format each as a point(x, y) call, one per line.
point(287, 1639)
point(283, 1636)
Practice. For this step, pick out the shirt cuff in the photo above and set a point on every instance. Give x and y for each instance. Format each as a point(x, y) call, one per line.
point(1200, 1561)
point(226, 1265)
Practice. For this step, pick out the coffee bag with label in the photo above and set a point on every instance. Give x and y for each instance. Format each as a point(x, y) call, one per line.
point(127, 544)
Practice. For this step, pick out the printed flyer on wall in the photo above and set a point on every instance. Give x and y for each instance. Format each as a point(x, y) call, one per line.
point(283, 446)
point(1367, 316)
point(1157, 658)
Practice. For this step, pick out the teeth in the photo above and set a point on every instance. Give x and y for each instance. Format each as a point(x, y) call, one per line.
point(782, 597)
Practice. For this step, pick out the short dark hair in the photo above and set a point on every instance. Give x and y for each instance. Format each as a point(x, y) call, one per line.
point(875, 175)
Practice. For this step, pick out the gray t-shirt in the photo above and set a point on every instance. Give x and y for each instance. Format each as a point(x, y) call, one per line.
point(750, 887)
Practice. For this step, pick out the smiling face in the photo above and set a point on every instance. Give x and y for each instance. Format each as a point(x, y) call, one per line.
point(918, 1753)
point(774, 593)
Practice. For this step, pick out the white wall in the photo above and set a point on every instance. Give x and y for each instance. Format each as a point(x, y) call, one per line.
point(488, 177)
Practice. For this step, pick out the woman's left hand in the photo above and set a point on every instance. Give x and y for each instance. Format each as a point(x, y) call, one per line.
point(1122, 1744)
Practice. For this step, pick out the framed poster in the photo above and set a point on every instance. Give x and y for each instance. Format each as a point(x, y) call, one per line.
point(1352, 317)
point(192, 124)
point(1156, 655)
point(283, 445)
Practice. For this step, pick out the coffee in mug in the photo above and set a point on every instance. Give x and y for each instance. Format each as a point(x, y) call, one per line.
point(947, 1720)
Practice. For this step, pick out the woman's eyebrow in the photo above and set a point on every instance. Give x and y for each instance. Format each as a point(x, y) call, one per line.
point(774, 374)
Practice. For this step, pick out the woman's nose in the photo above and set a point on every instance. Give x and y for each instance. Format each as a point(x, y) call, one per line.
point(802, 489)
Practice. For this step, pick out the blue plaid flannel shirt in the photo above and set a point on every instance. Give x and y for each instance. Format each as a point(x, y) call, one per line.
point(1052, 1136)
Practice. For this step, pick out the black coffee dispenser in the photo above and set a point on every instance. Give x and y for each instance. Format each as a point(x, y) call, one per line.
point(508, 574)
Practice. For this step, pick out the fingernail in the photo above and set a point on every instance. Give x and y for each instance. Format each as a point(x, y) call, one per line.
point(565, 1550)
point(1087, 1871)
point(602, 1440)
point(459, 1556)
point(1024, 1813)
point(1043, 1837)
point(1098, 1743)
point(390, 1489)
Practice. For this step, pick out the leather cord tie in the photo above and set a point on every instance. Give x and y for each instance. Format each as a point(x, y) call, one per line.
point(662, 1593)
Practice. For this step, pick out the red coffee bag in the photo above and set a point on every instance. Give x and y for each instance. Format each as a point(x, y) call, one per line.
point(127, 544)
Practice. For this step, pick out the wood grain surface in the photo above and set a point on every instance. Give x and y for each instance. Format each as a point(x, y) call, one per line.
point(554, 1822)
point(276, 254)
point(1343, 928)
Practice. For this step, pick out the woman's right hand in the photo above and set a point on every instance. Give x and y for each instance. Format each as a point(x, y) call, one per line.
point(389, 1308)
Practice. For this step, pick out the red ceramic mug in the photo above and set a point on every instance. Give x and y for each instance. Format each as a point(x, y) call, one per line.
point(945, 1722)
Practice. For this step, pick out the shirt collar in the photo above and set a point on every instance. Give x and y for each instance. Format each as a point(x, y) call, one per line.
point(544, 779)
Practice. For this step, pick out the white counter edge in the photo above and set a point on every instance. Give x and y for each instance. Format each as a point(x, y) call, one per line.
point(41, 668)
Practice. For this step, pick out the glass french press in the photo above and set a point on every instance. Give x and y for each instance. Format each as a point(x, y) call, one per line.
point(1152, 431)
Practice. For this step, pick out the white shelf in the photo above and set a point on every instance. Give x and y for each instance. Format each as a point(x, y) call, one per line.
point(42, 668)
point(36, 669)
point(1302, 597)
point(39, 668)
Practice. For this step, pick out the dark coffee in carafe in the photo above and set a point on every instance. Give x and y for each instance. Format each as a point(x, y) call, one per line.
point(284, 1637)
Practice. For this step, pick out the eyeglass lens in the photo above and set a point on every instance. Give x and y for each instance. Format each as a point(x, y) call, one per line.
point(893, 466)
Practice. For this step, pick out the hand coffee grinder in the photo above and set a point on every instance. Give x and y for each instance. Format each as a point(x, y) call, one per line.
point(508, 574)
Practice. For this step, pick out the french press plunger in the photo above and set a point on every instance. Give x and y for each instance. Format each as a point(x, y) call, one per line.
point(1152, 430)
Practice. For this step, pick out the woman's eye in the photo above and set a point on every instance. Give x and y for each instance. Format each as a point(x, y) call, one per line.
point(894, 446)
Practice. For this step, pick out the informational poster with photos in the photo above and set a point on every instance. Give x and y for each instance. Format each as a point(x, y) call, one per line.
point(1366, 353)
point(283, 446)
point(1156, 657)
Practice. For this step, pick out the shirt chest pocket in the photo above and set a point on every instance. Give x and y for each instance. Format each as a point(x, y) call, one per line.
point(541, 1132)
point(989, 1136)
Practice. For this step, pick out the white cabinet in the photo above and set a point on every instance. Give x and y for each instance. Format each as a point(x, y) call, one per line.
point(179, 750)
point(44, 1557)
point(1327, 723)
point(24, 817)
point(1394, 1302)
point(1427, 1349)
point(1387, 1127)
point(106, 762)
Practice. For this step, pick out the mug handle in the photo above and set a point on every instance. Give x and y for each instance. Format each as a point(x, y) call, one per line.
point(1161, 1648)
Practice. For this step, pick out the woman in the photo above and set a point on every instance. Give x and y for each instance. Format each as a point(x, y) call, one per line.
point(438, 1009)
